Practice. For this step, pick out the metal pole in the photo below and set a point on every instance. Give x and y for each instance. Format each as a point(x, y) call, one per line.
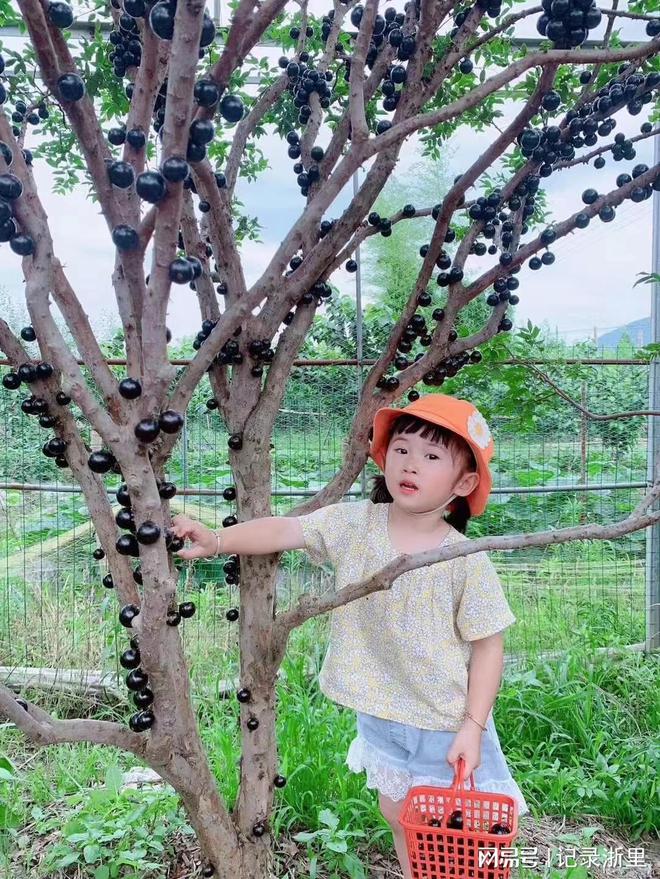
point(358, 326)
point(286, 492)
point(184, 450)
point(653, 534)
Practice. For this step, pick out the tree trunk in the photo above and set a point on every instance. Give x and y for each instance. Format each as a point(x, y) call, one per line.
point(197, 787)
point(258, 665)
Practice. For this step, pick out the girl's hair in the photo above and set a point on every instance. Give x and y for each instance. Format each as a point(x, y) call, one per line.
point(458, 449)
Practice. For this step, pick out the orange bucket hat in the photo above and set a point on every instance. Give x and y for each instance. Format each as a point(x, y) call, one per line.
point(457, 415)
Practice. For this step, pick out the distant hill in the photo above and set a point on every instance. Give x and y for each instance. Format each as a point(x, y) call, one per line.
point(639, 332)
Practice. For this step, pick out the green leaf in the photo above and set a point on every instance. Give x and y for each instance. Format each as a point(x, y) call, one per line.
point(102, 872)
point(8, 818)
point(354, 866)
point(113, 778)
point(329, 818)
point(647, 278)
point(650, 350)
point(6, 764)
point(579, 872)
point(75, 838)
point(91, 853)
point(304, 836)
point(135, 854)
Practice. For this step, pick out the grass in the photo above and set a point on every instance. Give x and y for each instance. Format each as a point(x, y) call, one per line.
point(580, 737)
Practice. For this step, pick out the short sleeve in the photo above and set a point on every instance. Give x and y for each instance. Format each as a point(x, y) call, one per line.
point(483, 609)
point(324, 532)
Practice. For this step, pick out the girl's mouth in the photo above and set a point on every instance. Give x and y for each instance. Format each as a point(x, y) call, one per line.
point(407, 488)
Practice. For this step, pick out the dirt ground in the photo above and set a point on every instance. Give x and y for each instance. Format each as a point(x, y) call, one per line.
point(548, 833)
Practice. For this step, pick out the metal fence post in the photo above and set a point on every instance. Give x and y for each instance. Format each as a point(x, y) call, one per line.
point(358, 328)
point(184, 450)
point(653, 534)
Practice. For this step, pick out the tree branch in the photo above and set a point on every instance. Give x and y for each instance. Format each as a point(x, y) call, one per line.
point(309, 606)
point(613, 198)
point(42, 729)
point(535, 59)
point(55, 59)
point(150, 77)
point(247, 125)
point(364, 231)
point(31, 214)
point(359, 130)
point(223, 331)
point(583, 160)
point(40, 274)
point(623, 13)
point(502, 26)
point(88, 346)
point(591, 415)
point(77, 455)
point(607, 36)
point(314, 122)
point(223, 241)
point(196, 247)
point(340, 135)
point(246, 29)
point(262, 418)
point(156, 370)
point(147, 226)
point(457, 50)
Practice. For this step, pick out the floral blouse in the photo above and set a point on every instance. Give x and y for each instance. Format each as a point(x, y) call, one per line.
point(402, 653)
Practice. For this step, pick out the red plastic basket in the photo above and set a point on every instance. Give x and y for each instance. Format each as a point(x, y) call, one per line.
point(438, 851)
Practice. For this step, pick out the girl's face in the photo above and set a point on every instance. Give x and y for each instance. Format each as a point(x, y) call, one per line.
point(429, 467)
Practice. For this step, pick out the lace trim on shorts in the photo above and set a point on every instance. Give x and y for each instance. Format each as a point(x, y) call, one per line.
point(395, 783)
point(391, 782)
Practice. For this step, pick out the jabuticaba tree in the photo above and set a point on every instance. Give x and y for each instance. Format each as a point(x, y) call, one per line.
point(157, 112)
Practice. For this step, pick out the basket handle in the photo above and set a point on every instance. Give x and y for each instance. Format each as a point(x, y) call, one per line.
point(458, 785)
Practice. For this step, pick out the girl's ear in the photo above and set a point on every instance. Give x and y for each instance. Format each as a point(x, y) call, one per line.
point(467, 484)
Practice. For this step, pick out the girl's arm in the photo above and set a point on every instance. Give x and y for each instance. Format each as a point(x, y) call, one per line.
point(485, 673)
point(261, 536)
point(484, 677)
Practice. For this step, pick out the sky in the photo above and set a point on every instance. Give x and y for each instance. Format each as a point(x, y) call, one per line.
point(588, 289)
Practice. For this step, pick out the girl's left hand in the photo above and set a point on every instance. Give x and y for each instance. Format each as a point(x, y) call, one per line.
point(467, 743)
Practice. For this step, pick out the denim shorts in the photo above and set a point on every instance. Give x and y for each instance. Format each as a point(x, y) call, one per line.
point(397, 757)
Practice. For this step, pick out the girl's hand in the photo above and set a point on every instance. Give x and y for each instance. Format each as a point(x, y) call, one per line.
point(466, 744)
point(204, 541)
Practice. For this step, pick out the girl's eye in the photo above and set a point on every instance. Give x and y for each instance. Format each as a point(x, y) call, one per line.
point(401, 449)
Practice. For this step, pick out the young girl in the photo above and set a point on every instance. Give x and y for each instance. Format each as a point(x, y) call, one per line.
point(421, 662)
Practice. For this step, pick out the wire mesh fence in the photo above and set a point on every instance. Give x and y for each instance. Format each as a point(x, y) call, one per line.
point(552, 468)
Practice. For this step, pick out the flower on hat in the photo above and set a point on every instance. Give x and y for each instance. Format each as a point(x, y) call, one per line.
point(478, 429)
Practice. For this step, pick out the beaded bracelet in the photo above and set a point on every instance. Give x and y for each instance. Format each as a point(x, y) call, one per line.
point(217, 549)
point(467, 714)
